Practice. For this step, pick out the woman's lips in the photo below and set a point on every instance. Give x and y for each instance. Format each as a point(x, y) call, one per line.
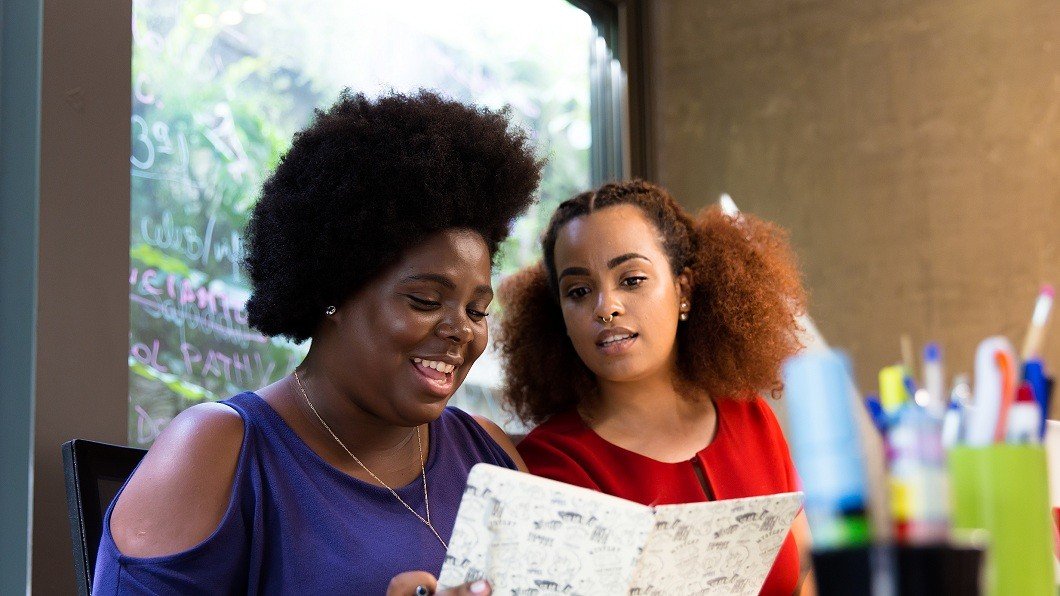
point(435, 381)
point(616, 346)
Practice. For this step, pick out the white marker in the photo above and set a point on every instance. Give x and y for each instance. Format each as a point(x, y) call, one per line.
point(1032, 344)
point(989, 391)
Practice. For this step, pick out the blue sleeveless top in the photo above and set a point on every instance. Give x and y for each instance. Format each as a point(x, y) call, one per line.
point(297, 525)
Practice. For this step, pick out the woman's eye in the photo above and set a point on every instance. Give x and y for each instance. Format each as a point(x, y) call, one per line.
point(577, 292)
point(423, 303)
point(477, 315)
point(633, 281)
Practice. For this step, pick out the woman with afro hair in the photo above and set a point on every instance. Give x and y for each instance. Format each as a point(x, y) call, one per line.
point(640, 343)
point(374, 237)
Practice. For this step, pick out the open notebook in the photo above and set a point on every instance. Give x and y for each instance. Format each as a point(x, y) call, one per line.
point(530, 535)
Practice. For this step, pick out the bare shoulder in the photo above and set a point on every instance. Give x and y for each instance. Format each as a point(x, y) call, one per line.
point(497, 434)
point(180, 492)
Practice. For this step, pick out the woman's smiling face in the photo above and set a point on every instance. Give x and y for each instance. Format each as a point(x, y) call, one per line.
point(404, 342)
point(620, 299)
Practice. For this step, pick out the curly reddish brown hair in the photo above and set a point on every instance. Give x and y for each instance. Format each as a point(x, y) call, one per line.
point(746, 294)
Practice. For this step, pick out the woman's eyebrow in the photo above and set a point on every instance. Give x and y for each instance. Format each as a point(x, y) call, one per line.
point(573, 271)
point(615, 262)
point(445, 282)
point(436, 278)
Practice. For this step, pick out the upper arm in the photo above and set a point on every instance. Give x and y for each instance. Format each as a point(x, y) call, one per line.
point(800, 530)
point(181, 491)
point(782, 452)
point(497, 434)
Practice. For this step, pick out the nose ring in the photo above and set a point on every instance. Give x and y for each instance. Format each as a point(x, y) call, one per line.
point(606, 319)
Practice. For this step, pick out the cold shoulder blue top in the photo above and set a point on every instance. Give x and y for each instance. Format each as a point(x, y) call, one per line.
point(297, 525)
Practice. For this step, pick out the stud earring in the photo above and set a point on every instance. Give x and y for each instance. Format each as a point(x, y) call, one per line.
point(329, 310)
point(684, 311)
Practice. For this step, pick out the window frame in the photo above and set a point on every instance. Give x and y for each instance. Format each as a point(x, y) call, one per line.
point(80, 347)
point(619, 94)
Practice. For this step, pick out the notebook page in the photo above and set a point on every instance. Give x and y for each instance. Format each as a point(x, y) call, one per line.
point(531, 535)
point(720, 547)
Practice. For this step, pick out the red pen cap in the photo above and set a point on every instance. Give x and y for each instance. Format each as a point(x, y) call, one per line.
point(1025, 393)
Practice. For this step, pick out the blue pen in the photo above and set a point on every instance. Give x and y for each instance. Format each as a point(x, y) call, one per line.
point(1034, 373)
point(879, 416)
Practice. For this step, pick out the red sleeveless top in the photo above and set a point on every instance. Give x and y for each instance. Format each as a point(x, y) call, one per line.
point(748, 457)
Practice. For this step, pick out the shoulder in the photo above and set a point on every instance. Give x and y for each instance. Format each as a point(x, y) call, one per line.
point(566, 425)
point(560, 448)
point(564, 431)
point(479, 438)
point(497, 434)
point(753, 422)
point(180, 492)
point(749, 417)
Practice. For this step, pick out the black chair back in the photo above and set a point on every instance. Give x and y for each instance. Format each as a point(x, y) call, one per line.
point(94, 474)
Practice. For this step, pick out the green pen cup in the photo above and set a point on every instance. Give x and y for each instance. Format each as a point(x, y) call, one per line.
point(1003, 489)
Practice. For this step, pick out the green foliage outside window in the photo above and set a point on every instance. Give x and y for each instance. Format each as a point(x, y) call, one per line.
point(219, 88)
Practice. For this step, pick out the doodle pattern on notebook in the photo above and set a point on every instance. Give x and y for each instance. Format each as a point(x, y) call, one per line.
point(533, 536)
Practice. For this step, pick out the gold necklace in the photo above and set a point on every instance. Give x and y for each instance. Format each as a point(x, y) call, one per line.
point(423, 471)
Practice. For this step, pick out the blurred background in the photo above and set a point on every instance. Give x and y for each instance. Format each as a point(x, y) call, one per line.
point(912, 150)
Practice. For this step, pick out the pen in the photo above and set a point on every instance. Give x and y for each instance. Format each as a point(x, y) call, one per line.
point(918, 476)
point(983, 417)
point(1034, 373)
point(875, 408)
point(907, 359)
point(893, 388)
point(934, 380)
point(1024, 418)
point(951, 424)
point(955, 422)
point(1032, 344)
point(1006, 364)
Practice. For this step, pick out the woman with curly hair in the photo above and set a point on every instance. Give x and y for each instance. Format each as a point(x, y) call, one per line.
point(640, 344)
point(374, 238)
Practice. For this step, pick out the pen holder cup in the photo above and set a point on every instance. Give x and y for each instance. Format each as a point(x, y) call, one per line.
point(929, 570)
point(1003, 489)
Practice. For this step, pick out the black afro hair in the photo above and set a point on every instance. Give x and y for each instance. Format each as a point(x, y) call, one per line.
point(367, 180)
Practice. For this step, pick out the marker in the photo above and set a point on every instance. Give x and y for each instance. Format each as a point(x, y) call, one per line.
point(955, 421)
point(728, 206)
point(1049, 394)
point(1032, 344)
point(1006, 364)
point(894, 388)
point(1024, 418)
point(907, 358)
point(961, 392)
point(875, 408)
point(1034, 373)
point(826, 447)
point(919, 483)
point(934, 380)
point(989, 391)
point(951, 424)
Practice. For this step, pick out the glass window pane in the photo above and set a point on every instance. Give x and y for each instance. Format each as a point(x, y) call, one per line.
point(219, 87)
